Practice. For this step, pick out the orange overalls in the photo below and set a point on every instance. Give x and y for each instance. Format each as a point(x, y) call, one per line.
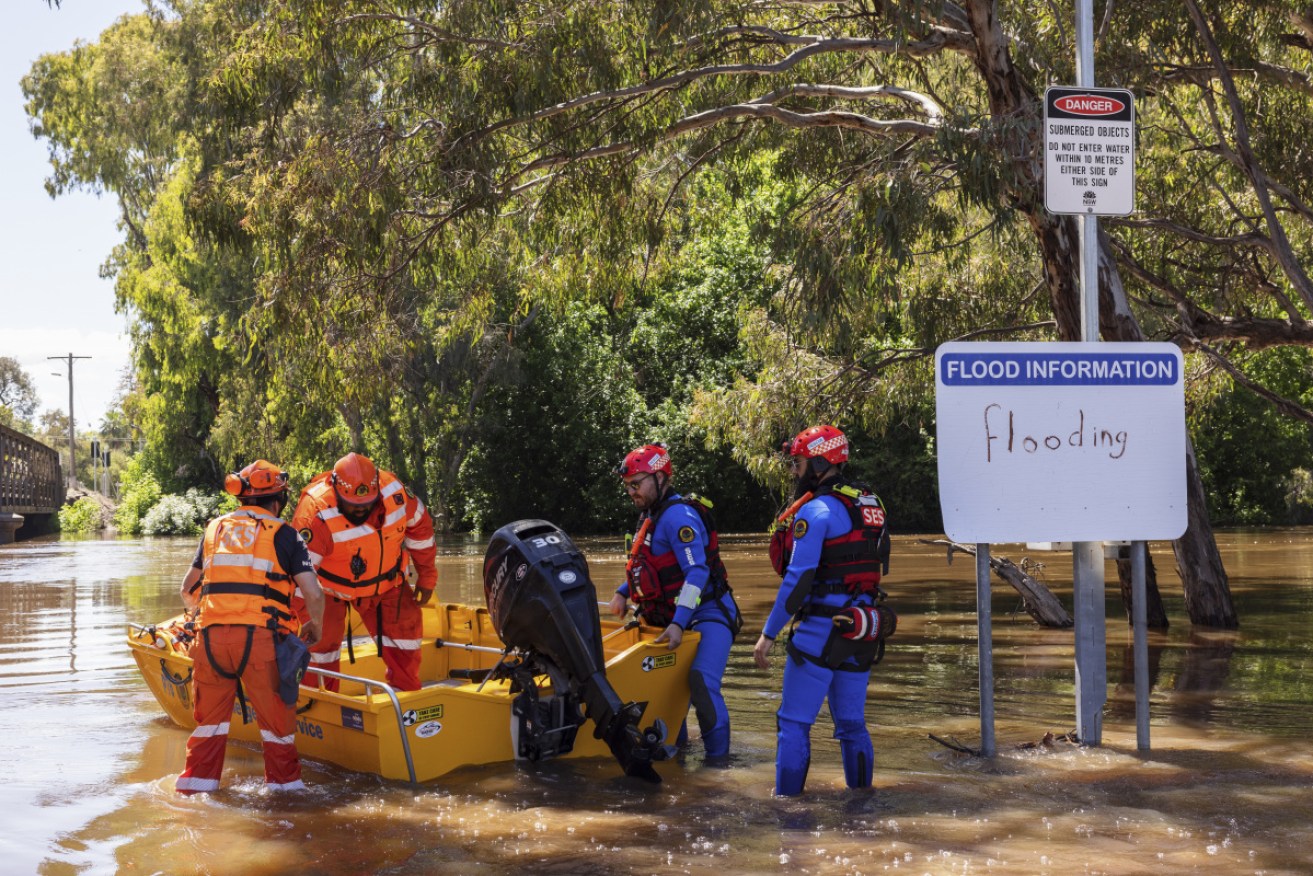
point(245, 601)
point(363, 566)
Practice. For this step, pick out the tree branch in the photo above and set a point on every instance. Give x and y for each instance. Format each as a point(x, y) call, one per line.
point(1249, 163)
point(939, 41)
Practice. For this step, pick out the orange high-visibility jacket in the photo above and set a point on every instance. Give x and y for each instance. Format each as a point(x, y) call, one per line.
point(365, 560)
point(244, 583)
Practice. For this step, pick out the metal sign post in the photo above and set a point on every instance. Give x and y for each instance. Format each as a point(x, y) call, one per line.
point(1062, 442)
point(1087, 557)
point(985, 638)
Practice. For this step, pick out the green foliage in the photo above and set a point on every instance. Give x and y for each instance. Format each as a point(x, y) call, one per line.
point(494, 246)
point(1250, 456)
point(138, 493)
point(18, 399)
point(81, 517)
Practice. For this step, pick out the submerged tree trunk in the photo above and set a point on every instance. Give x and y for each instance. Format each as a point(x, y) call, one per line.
point(1155, 613)
point(1036, 599)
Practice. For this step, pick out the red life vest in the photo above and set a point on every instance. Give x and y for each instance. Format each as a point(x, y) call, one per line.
point(851, 563)
point(655, 580)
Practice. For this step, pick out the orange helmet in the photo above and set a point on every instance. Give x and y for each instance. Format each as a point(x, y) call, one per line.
point(648, 459)
point(260, 478)
point(355, 480)
point(825, 442)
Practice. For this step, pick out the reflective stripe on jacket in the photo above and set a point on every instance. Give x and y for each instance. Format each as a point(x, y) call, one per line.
point(367, 559)
point(244, 582)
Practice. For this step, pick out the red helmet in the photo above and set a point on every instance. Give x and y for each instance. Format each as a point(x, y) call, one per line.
point(260, 478)
point(648, 459)
point(355, 480)
point(826, 442)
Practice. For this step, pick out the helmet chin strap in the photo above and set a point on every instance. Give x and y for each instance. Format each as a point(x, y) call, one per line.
point(663, 485)
point(818, 470)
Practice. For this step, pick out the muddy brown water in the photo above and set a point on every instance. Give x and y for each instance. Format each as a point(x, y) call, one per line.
point(88, 759)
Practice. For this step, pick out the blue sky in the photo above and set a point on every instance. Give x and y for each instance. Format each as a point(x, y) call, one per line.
point(52, 299)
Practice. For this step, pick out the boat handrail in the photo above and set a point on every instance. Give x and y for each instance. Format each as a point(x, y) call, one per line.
point(391, 694)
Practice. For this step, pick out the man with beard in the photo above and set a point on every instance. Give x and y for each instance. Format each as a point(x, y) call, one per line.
point(677, 581)
point(363, 528)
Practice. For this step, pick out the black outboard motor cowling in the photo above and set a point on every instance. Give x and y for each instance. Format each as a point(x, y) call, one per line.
point(543, 604)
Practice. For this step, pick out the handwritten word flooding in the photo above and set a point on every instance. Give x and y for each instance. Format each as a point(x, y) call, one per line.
point(1003, 437)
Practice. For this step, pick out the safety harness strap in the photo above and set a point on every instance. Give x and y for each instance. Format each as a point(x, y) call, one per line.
point(366, 582)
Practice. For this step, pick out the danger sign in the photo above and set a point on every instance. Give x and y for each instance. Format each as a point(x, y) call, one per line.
point(1089, 151)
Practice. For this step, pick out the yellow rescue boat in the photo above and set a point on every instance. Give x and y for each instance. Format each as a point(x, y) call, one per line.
point(482, 702)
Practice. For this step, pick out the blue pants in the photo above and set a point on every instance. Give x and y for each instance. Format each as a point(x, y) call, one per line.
point(704, 678)
point(806, 685)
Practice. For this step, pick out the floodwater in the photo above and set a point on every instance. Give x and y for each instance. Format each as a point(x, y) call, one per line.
point(88, 759)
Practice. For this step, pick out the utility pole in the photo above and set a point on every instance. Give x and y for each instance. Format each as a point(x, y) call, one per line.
point(72, 445)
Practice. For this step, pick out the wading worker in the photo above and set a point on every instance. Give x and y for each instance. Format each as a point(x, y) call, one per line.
point(831, 559)
point(361, 525)
point(242, 581)
point(677, 581)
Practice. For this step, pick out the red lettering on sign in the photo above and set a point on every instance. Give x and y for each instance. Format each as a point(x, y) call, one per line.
point(1089, 105)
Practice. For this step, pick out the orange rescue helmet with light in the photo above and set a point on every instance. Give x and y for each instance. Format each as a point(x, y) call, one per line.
point(355, 480)
point(260, 478)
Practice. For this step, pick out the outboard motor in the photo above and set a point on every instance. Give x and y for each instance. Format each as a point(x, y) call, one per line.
point(544, 605)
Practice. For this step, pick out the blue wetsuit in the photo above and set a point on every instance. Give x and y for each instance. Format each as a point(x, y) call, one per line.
point(714, 619)
point(808, 683)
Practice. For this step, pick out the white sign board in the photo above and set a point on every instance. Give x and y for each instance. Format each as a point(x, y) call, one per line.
point(1061, 441)
point(1089, 151)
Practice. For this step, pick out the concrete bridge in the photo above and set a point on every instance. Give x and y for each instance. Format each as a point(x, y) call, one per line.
point(31, 485)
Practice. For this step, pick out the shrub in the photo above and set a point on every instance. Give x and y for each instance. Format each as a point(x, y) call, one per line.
point(138, 492)
point(186, 514)
point(82, 516)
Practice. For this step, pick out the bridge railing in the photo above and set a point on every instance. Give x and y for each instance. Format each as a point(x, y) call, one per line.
point(31, 479)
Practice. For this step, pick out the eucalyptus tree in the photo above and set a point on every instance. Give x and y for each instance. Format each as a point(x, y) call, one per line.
point(915, 127)
point(18, 398)
point(114, 114)
point(415, 181)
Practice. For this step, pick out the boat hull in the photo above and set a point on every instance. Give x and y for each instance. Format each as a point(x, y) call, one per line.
point(449, 723)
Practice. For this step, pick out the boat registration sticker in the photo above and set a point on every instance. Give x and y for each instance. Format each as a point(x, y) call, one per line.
point(662, 661)
point(419, 716)
point(427, 729)
point(353, 719)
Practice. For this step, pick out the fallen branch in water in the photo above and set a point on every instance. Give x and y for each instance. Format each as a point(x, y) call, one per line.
point(1048, 741)
point(955, 745)
point(1038, 601)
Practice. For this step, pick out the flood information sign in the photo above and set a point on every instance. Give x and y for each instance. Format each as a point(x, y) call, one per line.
point(1061, 441)
point(1089, 151)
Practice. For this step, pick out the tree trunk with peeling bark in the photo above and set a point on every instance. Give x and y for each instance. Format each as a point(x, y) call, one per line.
point(1207, 594)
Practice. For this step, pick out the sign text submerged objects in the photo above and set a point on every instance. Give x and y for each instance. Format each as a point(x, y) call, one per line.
point(1089, 151)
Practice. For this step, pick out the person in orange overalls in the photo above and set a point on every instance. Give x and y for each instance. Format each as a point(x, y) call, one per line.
point(242, 581)
point(361, 526)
